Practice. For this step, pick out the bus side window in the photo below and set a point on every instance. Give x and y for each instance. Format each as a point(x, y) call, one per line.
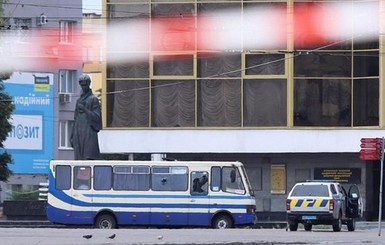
point(82, 178)
point(102, 177)
point(199, 183)
point(169, 178)
point(131, 178)
point(63, 177)
point(215, 179)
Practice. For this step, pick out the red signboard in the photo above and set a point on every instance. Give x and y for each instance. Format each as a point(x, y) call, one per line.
point(371, 149)
point(369, 157)
point(371, 145)
point(371, 140)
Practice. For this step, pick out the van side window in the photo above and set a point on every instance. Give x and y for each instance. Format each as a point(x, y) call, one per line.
point(133, 178)
point(102, 177)
point(82, 178)
point(215, 179)
point(63, 177)
point(199, 183)
point(169, 178)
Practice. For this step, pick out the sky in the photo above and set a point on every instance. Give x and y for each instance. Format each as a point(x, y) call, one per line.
point(92, 6)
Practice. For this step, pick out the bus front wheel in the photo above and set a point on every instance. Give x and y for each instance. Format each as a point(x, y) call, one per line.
point(222, 221)
point(105, 221)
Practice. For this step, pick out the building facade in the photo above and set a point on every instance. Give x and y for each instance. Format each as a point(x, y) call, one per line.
point(290, 110)
point(45, 43)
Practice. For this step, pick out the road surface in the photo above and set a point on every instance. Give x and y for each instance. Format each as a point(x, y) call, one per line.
point(54, 236)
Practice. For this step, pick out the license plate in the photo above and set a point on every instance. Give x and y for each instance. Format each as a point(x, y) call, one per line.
point(309, 217)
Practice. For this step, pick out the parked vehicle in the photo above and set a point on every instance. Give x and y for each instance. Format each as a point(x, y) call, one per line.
point(323, 202)
point(109, 194)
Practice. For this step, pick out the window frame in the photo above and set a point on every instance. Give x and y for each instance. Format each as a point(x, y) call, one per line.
point(68, 127)
point(66, 81)
point(66, 28)
point(68, 179)
point(172, 171)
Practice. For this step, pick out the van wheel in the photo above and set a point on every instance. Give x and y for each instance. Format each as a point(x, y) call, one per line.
point(307, 227)
point(105, 221)
point(337, 223)
point(351, 224)
point(223, 221)
point(293, 226)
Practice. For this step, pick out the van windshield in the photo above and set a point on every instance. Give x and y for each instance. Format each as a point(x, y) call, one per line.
point(311, 190)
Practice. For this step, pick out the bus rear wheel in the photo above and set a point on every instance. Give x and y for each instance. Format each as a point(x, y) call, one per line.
point(105, 221)
point(223, 221)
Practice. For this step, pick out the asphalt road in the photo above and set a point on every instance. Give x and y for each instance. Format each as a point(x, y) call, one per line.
point(54, 236)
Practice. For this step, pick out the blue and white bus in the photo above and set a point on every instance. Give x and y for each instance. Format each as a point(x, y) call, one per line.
point(109, 194)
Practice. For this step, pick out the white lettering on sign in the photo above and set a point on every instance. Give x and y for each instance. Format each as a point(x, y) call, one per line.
point(26, 134)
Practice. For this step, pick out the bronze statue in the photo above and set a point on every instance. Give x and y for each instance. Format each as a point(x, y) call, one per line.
point(87, 123)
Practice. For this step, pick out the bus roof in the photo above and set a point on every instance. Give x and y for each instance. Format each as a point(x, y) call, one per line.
point(141, 162)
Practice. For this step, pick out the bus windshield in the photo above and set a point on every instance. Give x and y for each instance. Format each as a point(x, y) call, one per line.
point(247, 181)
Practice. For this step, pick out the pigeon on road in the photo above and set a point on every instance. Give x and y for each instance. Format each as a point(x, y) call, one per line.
point(112, 236)
point(87, 236)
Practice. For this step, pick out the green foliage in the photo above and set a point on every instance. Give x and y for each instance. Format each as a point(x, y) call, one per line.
point(6, 109)
point(2, 11)
point(4, 75)
point(25, 196)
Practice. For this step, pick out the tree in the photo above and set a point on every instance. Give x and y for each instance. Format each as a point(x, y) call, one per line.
point(6, 109)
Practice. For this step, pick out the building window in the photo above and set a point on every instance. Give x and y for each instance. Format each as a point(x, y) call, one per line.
point(366, 64)
point(23, 27)
point(66, 81)
point(219, 102)
point(139, 69)
point(322, 102)
point(214, 65)
point(265, 64)
point(23, 23)
point(366, 102)
point(65, 133)
point(173, 103)
point(173, 65)
point(189, 79)
point(66, 31)
point(323, 64)
point(89, 54)
point(170, 27)
point(128, 103)
point(265, 102)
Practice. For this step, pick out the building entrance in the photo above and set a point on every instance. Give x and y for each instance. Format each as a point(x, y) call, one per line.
point(374, 199)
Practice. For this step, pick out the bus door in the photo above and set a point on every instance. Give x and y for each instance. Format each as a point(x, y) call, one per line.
point(81, 194)
point(199, 206)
